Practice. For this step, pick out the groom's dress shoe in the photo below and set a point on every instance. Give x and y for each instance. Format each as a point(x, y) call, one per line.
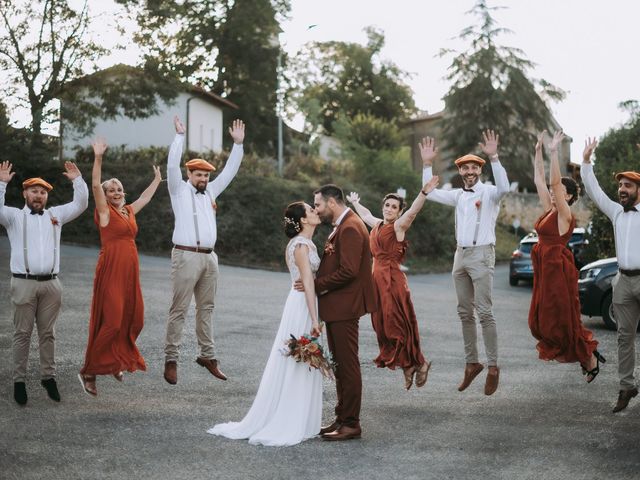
point(471, 371)
point(52, 389)
point(211, 364)
point(623, 399)
point(330, 428)
point(20, 393)
point(171, 372)
point(343, 433)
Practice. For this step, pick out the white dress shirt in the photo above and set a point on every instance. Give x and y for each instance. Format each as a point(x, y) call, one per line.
point(183, 194)
point(626, 225)
point(41, 240)
point(485, 200)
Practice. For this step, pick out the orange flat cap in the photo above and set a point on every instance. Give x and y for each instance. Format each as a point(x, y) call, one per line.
point(633, 176)
point(36, 181)
point(200, 164)
point(469, 159)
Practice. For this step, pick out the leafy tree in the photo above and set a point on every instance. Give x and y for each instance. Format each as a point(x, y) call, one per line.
point(617, 151)
point(46, 48)
point(491, 90)
point(331, 81)
point(229, 47)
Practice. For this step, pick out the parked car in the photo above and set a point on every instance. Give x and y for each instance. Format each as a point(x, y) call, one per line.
point(594, 287)
point(520, 267)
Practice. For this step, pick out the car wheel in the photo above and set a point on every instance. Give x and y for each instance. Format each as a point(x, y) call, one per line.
point(607, 312)
point(513, 281)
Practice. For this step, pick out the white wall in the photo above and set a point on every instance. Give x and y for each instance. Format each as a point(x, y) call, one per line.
point(204, 128)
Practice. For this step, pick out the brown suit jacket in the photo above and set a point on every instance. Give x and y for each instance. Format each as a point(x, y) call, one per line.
point(343, 282)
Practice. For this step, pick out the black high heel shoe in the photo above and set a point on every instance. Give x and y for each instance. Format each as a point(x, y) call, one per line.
point(596, 370)
point(598, 356)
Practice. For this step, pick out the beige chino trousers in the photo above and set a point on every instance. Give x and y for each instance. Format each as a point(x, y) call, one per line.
point(473, 269)
point(34, 303)
point(626, 308)
point(193, 274)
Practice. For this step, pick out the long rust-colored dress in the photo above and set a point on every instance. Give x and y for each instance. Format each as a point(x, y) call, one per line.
point(554, 315)
point(395, 322)
point(117, 308)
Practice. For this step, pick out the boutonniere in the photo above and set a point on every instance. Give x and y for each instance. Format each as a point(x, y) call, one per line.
point(54, 221)
point(329, 249)
point(478, 204)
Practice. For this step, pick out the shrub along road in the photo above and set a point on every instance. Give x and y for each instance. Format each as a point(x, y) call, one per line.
point(544, 421)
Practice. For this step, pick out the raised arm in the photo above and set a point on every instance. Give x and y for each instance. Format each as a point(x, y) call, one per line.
point(490, 149)
point(230, 170)
point(428, 152)
point(301, 257)
point(407, 218)
point(148, 193)
point(174, 177)
point(564, 211)
point(99, 147)
point(6, 213)
point(69, 211)
point(591, 186)
point(365, 213)
point(538, 175)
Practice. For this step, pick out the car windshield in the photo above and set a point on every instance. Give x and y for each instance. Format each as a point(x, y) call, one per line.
point(576, 237)
point(525, 247)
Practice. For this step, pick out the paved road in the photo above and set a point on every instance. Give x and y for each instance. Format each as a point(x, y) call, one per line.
point(544, 421)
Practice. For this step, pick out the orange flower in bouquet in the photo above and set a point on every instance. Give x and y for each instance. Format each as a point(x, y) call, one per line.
point(307, 349)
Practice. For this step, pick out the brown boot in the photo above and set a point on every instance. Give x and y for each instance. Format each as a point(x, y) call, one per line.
point(171, 372)
point(471, 371)
point(211, 364)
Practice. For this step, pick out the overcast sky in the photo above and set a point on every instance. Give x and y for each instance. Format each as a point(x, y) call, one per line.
point(590, 48)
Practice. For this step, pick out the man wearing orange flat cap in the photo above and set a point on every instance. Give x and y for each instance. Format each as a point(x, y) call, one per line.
point(625, 216)
point(477, 205)
point(36, 292)
point(194, 264)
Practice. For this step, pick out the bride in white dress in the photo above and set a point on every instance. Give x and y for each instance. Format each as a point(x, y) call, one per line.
point(288, 406)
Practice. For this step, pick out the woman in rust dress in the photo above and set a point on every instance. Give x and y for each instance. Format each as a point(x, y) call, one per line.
point(395, 322)
point(554, 315)
point(117, 308)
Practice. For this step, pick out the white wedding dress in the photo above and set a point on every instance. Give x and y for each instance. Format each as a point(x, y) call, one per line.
point(288, 406)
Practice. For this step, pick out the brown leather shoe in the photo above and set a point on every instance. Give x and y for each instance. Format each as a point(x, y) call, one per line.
point(171, 372)
point(623, 399)
point(330, 428)
point(493, 378)
point(471, 371)
point(211, 364)
point(343, 433)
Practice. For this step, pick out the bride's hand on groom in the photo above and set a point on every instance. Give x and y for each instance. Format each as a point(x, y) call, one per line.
point(316, 330)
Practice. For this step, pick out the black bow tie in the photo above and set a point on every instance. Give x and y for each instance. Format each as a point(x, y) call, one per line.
point(37, 212)
point(629, 209)
point(468, 189)
point(200, 191)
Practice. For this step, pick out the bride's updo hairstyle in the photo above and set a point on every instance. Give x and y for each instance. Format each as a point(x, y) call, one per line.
point(292, 215)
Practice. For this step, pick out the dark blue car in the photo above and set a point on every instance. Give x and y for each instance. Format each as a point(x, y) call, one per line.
point(594, 287)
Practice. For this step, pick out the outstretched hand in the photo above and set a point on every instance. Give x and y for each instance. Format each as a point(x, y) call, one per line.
point(178, 125)
point(557, 139)
point(5, 172)
point(237, 131)
point(71, 171)
point(490, 145)
point(157, 175)
point(590, 145)
point(431, 184)
point(428, 151)
point(99, 146)
point(353, 198)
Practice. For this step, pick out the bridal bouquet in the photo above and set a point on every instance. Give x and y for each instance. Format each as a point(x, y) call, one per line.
point(307, 349)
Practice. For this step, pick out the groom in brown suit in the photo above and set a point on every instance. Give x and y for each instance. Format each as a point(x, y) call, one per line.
point(345, 293)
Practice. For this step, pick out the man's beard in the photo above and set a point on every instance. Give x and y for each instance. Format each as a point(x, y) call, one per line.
point(628, 200)
point(470, 180)
point(37, 208)
point(326, 218)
